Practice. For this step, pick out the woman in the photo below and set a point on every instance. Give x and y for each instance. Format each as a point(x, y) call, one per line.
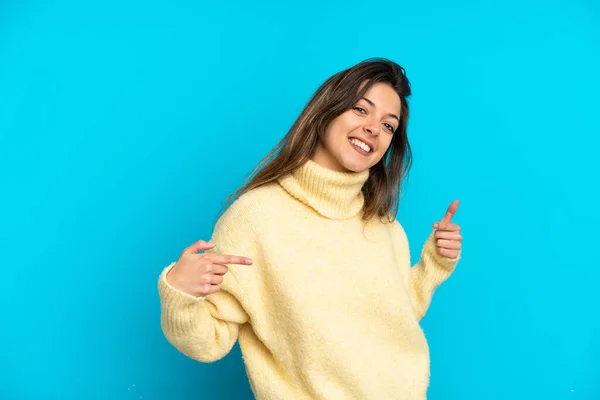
point(330, 307)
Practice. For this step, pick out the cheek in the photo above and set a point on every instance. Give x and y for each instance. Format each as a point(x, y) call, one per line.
point(344, 124)
point(337, 134)
point(384, 143)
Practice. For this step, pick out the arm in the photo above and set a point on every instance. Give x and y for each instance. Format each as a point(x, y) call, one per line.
point(202, 328)
point(426, 275)
point(206, 328)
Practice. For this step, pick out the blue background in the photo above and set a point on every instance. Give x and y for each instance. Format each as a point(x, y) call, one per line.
point(124, 125)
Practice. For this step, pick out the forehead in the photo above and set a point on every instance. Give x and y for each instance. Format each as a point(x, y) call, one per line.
point(384, 97)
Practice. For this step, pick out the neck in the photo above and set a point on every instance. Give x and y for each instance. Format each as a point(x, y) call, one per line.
point(322, 157)
point(333, 194)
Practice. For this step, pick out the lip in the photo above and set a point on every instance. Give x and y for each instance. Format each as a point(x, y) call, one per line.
point(368, 143)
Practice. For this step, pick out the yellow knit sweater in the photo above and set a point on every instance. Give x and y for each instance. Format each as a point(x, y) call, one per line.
point(330, 308)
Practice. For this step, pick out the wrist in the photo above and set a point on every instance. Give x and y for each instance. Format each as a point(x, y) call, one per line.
point(172, 278)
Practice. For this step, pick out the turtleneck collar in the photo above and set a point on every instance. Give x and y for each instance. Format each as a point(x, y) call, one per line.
point(333, 194)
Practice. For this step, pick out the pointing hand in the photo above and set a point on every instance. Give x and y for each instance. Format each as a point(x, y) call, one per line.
point(448, 238)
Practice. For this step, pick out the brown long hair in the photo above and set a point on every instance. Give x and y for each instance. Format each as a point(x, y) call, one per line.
point(337, 95)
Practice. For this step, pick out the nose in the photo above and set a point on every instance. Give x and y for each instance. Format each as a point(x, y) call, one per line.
point(372, 128)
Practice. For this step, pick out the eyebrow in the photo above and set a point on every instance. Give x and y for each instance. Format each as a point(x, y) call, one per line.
point(373, 105)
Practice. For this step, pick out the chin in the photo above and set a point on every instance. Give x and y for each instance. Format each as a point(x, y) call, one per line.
point(354, 165)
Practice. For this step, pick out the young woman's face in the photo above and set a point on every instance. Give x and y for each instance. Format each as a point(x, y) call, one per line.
point(358, 139)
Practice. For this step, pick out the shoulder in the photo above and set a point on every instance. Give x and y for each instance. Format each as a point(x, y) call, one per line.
point(240, 227)
point(397, 228)
point(389, 222)
point(398, 233)
point(252, 209)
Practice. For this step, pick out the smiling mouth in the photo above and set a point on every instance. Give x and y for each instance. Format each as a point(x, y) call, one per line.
point(360, 144)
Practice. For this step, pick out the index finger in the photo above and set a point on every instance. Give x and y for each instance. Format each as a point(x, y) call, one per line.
point(450, 212)
point(228, 259)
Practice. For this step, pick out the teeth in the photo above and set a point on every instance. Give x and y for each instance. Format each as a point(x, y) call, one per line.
point(361, 144)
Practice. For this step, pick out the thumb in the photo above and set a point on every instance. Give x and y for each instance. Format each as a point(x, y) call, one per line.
point(198, 246)
point(450, 212)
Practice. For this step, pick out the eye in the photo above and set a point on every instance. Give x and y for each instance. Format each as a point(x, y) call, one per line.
point(360, 110)
point(389, 127)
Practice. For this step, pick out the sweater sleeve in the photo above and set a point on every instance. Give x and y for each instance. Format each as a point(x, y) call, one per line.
point(206, 328)
point(427, 274)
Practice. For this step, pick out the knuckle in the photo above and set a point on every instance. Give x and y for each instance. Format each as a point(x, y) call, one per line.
point(200, 259)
